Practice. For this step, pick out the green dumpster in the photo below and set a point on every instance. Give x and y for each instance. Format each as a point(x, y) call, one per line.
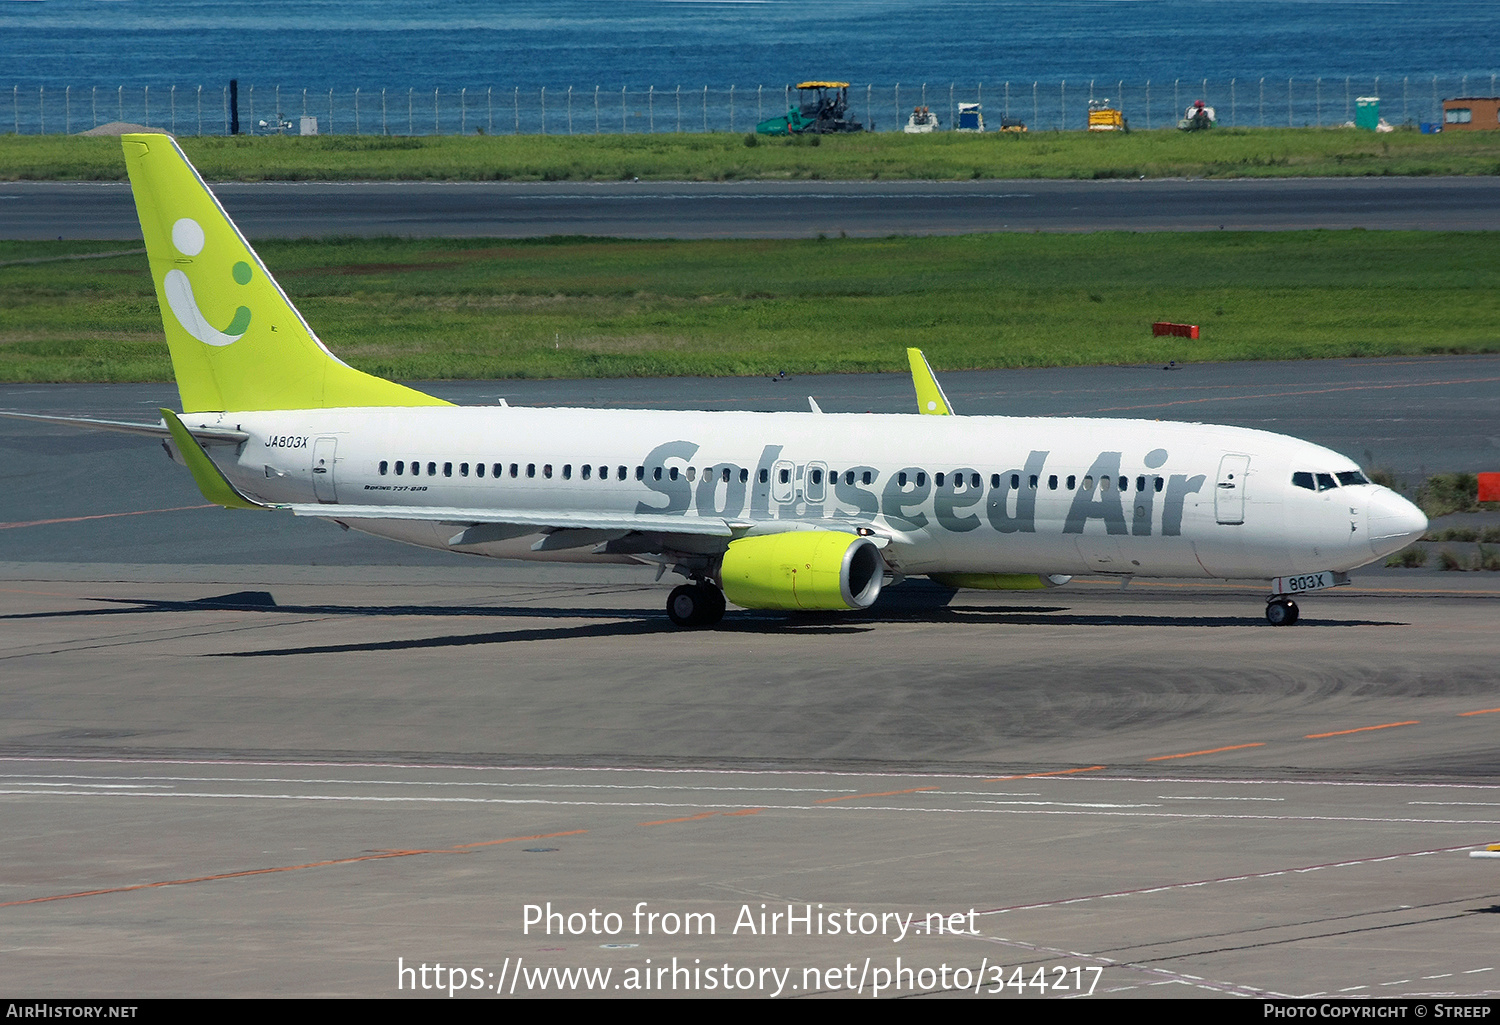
point(1367, 112)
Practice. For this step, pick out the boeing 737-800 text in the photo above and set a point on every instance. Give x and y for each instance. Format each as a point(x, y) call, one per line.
point(767, 510)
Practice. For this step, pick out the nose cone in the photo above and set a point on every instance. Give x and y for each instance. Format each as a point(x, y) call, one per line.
point(1394, 522)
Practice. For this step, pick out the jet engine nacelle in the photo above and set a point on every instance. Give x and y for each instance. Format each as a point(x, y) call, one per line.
point(803, 569)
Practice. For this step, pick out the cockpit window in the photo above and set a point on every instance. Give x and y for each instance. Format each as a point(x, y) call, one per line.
point(1351, 477)
point(1303, 479)
point(1326, 482)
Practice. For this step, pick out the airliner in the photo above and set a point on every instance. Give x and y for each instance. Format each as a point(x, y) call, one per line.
point(765, 510)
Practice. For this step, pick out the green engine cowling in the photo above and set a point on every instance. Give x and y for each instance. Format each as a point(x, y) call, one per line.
point(804, 569)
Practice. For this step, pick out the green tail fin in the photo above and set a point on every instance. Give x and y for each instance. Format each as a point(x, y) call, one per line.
point(237, 341)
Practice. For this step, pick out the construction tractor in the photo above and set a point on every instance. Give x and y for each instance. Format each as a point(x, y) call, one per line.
point(822, 108)
point(1105, 118)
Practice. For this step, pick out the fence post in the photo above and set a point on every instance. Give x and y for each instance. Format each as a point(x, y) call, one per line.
point(120, 101)
point(200, 110)
point(224, 94)
point(1405, 120)
point(705, 109)
point(1176, 100)
point(1091, 90)
point(596, 110)
point(436, 125)
point(1263, 103)
point(570, 110)
point(1289, 101)
point(516, 100)
point(251, 99)
point(1346, 98)
point(1120, 94)
point(869, 117)
point(68, 111)
point(146, 104)
point(898, 106)
point(330, 108)
point(1233, 123)
point(1436, 110)
point(41, 110)
point(410, 122)
point(385, 128)
point(489, 110)
point(1062, 107)
point(951, 108)
point(1006, 114)
point(1318, 101)
point(544, 110)
point(1036, 117)
point(651, 109)
point(760, 115)
point(356, 110)
point(463, 111)
point(679, 109)
point(1148, 104)
point(731, 108)
point(94, 103)
point(624, 127)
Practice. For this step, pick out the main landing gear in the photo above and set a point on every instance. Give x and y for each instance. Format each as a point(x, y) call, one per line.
point(1281, 611)
point(695, 605)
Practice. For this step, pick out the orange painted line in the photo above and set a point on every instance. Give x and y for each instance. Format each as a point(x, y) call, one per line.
point(703, 815)
point(689, 818)
point(513, 839)
point(1039, 775)
point(887, 793)
point(1482, 711)
point(1210, 751)
point(376, 856)
point(101, 516)
point(1361, 729)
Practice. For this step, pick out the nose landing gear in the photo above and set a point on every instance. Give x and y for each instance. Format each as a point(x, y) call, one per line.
point(1281, 611)
point(695, 605)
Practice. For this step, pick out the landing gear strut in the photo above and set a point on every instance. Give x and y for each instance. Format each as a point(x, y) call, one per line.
point(1281, 611)
point(695, 605)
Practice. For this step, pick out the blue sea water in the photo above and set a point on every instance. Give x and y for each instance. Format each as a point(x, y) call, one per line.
point(652, 47)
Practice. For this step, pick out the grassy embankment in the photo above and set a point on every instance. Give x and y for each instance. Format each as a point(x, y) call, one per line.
point(1220, 153)
point(431, 309)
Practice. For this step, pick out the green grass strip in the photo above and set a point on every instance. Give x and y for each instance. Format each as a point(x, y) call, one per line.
point(1218, 153)
point(481, 309)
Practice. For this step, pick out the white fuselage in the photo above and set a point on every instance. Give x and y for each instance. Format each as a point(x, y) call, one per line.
point(955, 494)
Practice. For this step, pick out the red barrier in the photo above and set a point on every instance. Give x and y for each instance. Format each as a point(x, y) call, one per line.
point(1489, 487)
point(1163, 327)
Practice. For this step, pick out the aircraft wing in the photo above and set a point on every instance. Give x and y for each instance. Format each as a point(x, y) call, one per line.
point(205, 435)
point(534, 521)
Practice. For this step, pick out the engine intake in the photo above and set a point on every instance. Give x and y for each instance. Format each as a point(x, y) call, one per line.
point(804, 569)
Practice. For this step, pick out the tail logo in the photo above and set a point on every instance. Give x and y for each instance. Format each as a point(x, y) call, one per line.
point(188, 238)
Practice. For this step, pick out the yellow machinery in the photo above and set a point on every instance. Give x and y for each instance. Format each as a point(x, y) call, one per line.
point(1104, 118)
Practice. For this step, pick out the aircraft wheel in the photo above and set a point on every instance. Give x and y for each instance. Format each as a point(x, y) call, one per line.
point(1281, 612)
point(695, 605)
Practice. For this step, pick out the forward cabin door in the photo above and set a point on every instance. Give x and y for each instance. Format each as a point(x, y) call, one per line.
point(324, 458)
point(1229, 495)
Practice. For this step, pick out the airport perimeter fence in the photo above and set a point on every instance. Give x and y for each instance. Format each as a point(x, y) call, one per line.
point(1265, 102)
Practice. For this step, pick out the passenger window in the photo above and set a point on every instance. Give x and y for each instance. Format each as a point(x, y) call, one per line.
point(547, 470)
point(1052, 482)
point(995, 480)
point(939, 479)
point(383, 467)
point(974, 480)
point(784, 476)
point(725, 475)
point(1123, 482)
point(447, 469)
point(1326, 482)
point(622, 473)
point(672, 473)
point(530, 470)
point(498, 467)
point(567, 473)
point(463, 469)
point(640, 473)
point(868, 477)
point(848, 476)
point(1072, 481)
point(901, 478)
point(744, 476)
point(1088, 483)
point(586, 470)
point(1140, 483)
point(1015, 482)
point(479, 469)
point(921, 479)
point(656, 473)
point(692, 473)
point(604, 472)
point(1303, 479)
point(400, 466)
point(1159, 483)
point(1033, 482)
point(513, 468)
point(432, 469)
point(764, 475)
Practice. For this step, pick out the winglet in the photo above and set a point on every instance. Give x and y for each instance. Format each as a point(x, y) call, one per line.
point(930, 397)
point(209, 478)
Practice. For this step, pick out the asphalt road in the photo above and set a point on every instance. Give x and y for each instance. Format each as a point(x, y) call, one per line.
point(88, 210)
point(241, 755)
